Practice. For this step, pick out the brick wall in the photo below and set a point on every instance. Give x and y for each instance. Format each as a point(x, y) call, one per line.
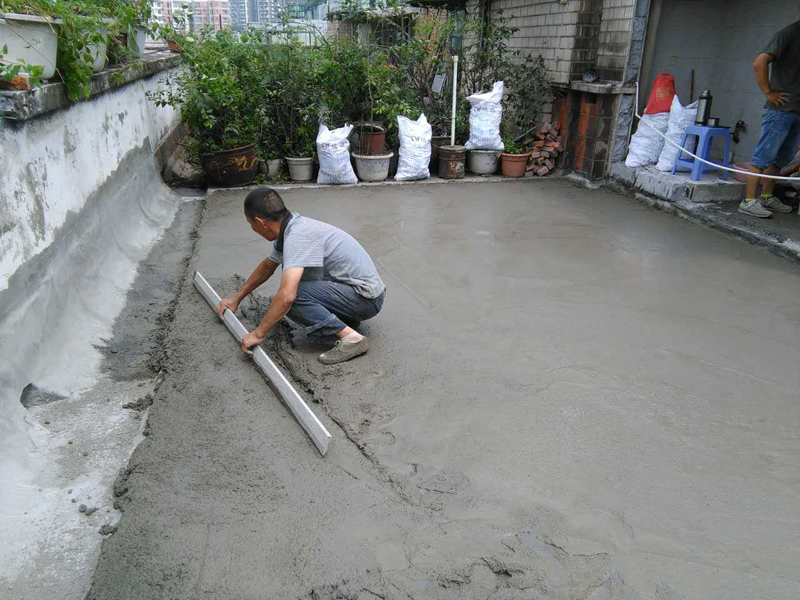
point(614, 38)
point(572, 35)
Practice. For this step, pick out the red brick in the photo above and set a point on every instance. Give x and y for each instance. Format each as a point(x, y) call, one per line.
point(21, 83)
point(542, 171)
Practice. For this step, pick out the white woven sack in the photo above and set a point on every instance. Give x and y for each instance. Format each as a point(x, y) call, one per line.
point(680, 117)
point(415, 149)
point(484, 119)
point(646, 144)
point(333, 149)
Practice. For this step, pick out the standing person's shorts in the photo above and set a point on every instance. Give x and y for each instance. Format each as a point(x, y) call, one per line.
point(780, 135)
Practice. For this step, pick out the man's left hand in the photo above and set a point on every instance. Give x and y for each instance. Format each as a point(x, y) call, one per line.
point(249, 341)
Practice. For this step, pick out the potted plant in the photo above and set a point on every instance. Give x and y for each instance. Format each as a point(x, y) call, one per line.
point(291, 95)
point(75, 30)
point(132, 19)
point(218, 103)
point(300, 152)
point(28, 42)
point(174, 32)
point(515, 159)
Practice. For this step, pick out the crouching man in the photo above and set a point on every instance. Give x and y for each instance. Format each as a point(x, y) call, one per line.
point(329, 283)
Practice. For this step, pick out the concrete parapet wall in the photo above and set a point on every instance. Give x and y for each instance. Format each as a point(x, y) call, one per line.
point(53, 163)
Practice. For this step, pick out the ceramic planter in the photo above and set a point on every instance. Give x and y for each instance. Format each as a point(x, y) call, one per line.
point(99, 52)
point(514, 165)
point(373, 168)
point(300, 169)
point(483, 162)
point(141, 39)
point(232, 168)
point(31, 39)
point(274, 166)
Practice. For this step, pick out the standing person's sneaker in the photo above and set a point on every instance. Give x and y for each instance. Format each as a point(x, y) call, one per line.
point(754, 209)
point(343, 351)
point(775, 205)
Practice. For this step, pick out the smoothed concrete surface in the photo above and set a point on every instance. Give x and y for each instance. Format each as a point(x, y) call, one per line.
point(568, 395)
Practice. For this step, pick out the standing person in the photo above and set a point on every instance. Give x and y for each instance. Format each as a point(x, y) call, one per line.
point(780, 129)
point(329, 283)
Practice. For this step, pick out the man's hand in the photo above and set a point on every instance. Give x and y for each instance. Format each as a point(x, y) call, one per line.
point(231, 303)
point(250, 340)
point(778, 98)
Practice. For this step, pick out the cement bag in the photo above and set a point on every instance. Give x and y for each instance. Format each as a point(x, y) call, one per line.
point(484, 119)
point(680, 117)
point(333, 149)
point(415, 149)
point(646, 144)
point(660, 99)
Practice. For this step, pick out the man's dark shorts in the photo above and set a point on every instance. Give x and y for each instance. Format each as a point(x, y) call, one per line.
point(780, 135)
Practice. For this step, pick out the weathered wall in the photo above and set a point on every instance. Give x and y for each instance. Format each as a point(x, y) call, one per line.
point(719, 39)
point(572, 35)
point(52, 164)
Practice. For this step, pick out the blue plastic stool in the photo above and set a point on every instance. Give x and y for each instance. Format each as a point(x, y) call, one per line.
point(705, 136)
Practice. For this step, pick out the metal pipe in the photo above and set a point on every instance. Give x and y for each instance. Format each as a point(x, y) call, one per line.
point(455, 89)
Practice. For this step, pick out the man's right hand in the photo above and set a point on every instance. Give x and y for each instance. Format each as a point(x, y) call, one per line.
point(231, 303)
point(778, 98)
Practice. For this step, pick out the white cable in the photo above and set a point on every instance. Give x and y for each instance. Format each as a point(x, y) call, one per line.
point(794, 180)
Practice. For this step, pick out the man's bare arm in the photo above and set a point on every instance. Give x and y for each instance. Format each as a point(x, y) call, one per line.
point(262, 273)
point(280, 305)
point(761, 68)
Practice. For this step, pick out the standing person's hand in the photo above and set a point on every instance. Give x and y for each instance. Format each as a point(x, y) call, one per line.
point(778, 98)
point(250, 340)
point(231, 303)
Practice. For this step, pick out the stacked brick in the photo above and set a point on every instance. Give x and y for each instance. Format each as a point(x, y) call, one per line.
point(546, 146)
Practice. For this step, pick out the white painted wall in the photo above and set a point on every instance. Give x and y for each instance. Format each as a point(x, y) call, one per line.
point(50, 165)
point(719, 40)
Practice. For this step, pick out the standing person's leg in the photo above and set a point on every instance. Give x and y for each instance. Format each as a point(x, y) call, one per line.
point(785, 156)
point(322, 307)
point(775, 128)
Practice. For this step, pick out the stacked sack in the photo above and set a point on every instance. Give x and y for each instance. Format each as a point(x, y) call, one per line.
point(646, 144)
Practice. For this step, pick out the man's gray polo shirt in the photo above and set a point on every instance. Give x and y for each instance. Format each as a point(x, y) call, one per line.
point(326, 252)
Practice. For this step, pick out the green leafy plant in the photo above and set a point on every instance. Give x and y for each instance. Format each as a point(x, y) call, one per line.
point(512, 147)
point(218, 91)
point(11, 69)
point(85, 26)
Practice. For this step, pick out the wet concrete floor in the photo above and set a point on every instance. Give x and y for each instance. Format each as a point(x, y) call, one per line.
point(569, 395)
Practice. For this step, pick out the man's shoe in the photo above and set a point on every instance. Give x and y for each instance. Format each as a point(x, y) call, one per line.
point(343, 351)
point(754, 209)
point(775, 205)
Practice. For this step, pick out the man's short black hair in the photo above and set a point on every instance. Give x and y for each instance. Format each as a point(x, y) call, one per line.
point(265, 203)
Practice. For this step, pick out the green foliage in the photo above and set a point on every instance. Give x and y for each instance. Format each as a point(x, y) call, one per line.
point(11, 69)
point(216, 90)
point(234, 90)
point(511, 147)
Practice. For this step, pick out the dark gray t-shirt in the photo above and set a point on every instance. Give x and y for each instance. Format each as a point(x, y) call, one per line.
point(326, 252)
point(785, 47)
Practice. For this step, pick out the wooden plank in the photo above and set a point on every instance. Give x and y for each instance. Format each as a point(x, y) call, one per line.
point(304, 415)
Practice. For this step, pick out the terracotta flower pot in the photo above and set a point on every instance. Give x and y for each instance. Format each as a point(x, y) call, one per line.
point(372, 138)
point(174, 46)
point(231, 168)
point(514, 165)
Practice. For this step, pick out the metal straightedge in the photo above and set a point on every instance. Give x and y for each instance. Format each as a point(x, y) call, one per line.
point(307, 419)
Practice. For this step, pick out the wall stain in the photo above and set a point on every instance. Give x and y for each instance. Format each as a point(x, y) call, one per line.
point(70, 141)
point(34, 190)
